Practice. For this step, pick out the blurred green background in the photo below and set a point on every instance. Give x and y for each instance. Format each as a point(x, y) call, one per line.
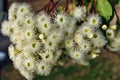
point(104, 67)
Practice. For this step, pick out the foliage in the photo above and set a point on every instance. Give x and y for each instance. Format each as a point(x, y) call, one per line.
point(104, 8)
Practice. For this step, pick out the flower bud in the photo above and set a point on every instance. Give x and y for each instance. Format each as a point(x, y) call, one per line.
point(104, 27)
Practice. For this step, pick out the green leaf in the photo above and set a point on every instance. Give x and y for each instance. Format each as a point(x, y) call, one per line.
point(104, 8)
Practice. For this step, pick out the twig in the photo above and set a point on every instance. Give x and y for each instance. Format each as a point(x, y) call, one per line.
point(54, 5)
point(48, 8)
point(118, 19)
point(66, 5)
point(95, 3)
point(82, 2)
point(52, 1)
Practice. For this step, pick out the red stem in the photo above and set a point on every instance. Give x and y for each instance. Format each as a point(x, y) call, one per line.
point(95, 3)
point(66, 5)
point(48, 8)
point(82, 2)
point(54, 6)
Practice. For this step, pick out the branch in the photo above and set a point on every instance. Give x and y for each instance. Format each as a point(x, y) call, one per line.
point(94, 3)
point(66, 5)
point(118, 19)
point(82, 2)
point(54, 5)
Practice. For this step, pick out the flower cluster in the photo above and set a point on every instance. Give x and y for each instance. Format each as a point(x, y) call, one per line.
point(39, 41)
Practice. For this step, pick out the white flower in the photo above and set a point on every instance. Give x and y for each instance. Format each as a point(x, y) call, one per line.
point(41, 17)
point(28, 75)
point(43, 22)
point(29, 21)
point(48, 56)
point(49, 45)
point(14, 39)
point(98, 40)
point(21, 44)
point(85, 46)
point(23, 9)
point(12, 11)
point(33, 46)
point(55, 36)
point(85, 30)
point(113, 27)
point(43, 69)
point(45, 27)
point(97, 35)
point(69, 29)
point(18, 61)
point(61, 19)
point(69, 43)
point(117, 34)
point(100, 43)
point(57, 55)
point(20, 22)
point(29, 64)
point(94, 20)
point(77, 55)
point(29, 34)
point(7, 28)
point(17, 36)
point(115, 45)
point(79, 13)
point(110, 33)
point(28, 54)
point(78, 37)
point(11, 50)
